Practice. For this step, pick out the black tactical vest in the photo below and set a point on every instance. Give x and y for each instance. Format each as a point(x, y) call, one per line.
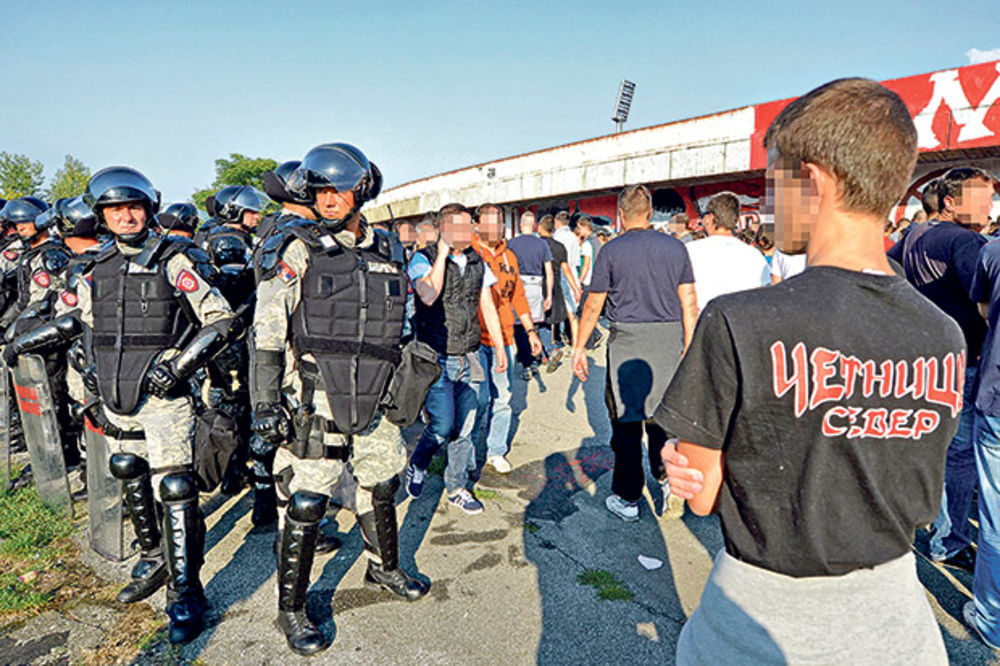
point(350, 317)
point(451, 324)
point(137, 315)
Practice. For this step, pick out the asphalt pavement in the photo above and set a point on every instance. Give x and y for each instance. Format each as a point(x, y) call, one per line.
point(521, 583)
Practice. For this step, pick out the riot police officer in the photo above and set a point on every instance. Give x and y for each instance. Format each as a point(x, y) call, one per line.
point(230, 246)
point(154, 321)
point(345, 294)
point(40, 276)
point(179, 219)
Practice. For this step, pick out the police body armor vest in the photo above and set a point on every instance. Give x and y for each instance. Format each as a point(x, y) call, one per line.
point(231, 251)
point(350, 318)
point(451, 324)
point(137, 315)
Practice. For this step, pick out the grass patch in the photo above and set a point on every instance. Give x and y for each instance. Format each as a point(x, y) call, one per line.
point(608, 587)
point(486, 494)
point(438, 464)
point(531, 527)
point(33, 542)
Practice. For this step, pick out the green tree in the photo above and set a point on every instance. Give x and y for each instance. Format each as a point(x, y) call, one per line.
point(19, 176)
point(69, 181)
point(236, 170)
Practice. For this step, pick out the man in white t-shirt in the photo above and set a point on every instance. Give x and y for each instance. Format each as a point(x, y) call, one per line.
point(721, 262)
point(784, 266)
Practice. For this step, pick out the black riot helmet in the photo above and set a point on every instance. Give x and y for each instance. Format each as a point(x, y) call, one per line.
point(178, 217)
point(232, 201)
point(73, 217)
point(116, 185)
point(23, 209)
point(340, 166)
point(276, 184)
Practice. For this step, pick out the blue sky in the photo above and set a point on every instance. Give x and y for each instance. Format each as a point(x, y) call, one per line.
point(170, 87)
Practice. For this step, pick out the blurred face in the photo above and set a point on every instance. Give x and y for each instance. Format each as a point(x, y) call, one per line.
point(251, 219)
point(491, 226)
point(795, 203)
point(127, 218)
point(334, 205)
point(972, 205)
point(407, 233)
point(427, 234)
point(26, 229)
point(456, 230)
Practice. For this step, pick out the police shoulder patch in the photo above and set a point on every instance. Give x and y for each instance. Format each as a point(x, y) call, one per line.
point(42, 279)
point(186, 282)
point(287, 274)
point(11, 255)
point(69, 298)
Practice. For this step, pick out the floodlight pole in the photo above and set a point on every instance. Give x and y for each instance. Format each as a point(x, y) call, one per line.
point(623, 104)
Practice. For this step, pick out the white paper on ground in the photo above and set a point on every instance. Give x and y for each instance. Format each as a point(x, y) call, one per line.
point(651, 563)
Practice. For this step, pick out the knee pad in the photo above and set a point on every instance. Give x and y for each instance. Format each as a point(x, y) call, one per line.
point(126, 466)
point(307, 507)
point(385, 491)
point(178, 486)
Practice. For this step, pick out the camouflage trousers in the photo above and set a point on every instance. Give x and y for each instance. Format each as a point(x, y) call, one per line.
point(377, 454)
point(169, 429)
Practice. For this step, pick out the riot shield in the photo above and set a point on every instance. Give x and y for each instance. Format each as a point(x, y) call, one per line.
point(4, 426)
point(104, 497)
point(41, 433)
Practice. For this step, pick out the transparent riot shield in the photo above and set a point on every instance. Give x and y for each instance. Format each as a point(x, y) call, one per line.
point(106, 513)
point(4, 426)
point(41, 433)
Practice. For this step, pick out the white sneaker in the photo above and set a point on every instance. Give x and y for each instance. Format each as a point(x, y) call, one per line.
point(500, 464)
point(969, 614)
point(627, 511)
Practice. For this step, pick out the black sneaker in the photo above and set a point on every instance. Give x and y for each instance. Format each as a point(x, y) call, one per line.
point(964, 559)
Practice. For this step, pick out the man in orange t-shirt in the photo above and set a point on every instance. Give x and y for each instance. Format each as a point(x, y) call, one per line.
point(494, 412)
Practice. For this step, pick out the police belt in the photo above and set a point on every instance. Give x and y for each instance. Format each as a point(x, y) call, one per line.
point(308, 375)
point(351, 348)
point(134, 340)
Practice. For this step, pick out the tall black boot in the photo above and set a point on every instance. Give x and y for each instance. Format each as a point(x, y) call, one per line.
point(381, 536)
point(265, 498)
point(184, 533)
point(150, 572)
point(298, 543)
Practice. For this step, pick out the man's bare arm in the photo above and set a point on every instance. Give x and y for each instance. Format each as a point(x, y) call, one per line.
point(689, 311)
point(429, 287)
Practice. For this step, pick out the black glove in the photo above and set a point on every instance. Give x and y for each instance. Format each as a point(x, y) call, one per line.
point(271, 423)
point(89, 377)
point(163, 382)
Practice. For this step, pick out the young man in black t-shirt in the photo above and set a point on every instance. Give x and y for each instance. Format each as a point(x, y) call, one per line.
point(811, 416)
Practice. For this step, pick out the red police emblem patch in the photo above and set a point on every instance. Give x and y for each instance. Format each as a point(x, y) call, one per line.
point(187, 282)
point(10, 255)
point(69, 298)
point(42, 278)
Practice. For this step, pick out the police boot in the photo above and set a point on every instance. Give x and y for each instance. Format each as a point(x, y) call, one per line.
point(150, 572)
point(298, 542)
point(265, 497)
point(184, 533)
point(382, 542)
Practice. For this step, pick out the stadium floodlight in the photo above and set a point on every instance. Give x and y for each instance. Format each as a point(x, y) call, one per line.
point(624, 102)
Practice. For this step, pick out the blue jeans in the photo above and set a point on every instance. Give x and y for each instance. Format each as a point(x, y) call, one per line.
point(986, 582)
point(451, 408)
point(494, 402)
point(951, 527)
